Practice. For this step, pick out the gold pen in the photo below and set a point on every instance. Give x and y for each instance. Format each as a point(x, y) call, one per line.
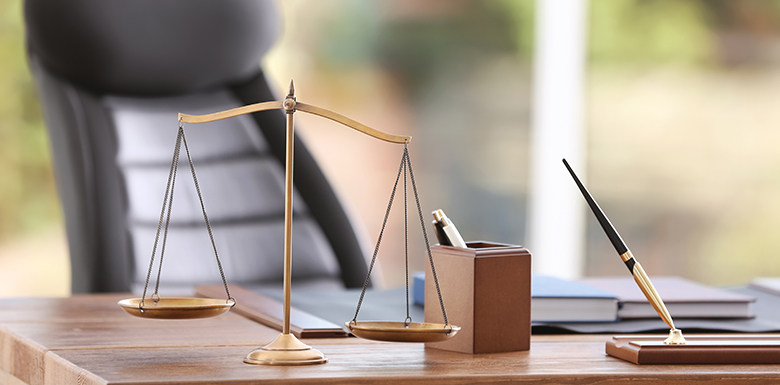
point(641, 278)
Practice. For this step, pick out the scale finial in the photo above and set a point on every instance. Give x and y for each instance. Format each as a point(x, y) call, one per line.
point(289, 101)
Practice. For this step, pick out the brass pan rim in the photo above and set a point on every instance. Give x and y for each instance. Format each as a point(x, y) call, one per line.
point(177, 302)
point(402, 331)
point(400, 326)
point(176, 307)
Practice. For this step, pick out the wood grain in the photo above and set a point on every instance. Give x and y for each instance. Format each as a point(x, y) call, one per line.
point(78, 307)
point(579, 362)
point(59, 371)
point(7, 379)
point(224, 330)
point(96, 322)
point(270, 312)
point(20, 357)
point(116, 350)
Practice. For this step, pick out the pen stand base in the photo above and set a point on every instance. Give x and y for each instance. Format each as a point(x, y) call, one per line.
point(699, 349)
point(285, 350)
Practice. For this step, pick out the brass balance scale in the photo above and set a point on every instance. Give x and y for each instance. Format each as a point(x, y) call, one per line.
point(286, 349)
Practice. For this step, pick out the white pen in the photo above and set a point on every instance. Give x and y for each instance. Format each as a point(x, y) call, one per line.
point(449, 229)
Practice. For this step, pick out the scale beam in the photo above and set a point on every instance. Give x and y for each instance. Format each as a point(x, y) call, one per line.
point(314, 110)
point(352, 123)
point(264, 106)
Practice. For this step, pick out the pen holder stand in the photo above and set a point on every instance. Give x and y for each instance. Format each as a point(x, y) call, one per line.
point(487, 292)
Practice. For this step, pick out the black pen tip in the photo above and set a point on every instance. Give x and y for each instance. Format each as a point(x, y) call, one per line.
point(565, 163)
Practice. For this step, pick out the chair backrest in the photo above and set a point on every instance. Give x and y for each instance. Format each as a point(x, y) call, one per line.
point(111, 77)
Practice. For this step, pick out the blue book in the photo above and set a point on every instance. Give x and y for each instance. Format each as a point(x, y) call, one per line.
point(555, 300)
point(558, 300)
point(418, 288)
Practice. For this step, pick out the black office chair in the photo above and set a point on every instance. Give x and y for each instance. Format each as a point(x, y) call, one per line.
point(111, 77)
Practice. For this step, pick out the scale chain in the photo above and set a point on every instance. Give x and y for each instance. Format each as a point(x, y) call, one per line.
point(171, 174)
point(379, 240)
point(425, 237)
point(168, 203)
point(156, 295)
point(205, 217)
point(406, 163)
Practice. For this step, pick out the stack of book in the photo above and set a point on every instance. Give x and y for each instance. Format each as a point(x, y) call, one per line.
point(683, 298)
point(320, 313)
point(609, 299)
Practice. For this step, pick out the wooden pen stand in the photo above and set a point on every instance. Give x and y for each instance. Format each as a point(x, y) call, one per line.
point(487, 292)
point(700, 349)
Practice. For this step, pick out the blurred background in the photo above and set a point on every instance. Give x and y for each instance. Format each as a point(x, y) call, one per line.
point(681, 129)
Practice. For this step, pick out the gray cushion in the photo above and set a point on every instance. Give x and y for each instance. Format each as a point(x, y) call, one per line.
point(243, 191)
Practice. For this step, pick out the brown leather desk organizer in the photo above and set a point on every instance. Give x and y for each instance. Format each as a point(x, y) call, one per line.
point(487, 292)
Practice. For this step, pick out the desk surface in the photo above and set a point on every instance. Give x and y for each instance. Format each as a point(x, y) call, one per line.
point(90, 340)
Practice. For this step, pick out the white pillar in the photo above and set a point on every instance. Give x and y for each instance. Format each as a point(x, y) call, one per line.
point(556, 223)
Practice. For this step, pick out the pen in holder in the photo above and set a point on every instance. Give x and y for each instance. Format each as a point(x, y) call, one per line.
point(488, 288)
point(446, 232)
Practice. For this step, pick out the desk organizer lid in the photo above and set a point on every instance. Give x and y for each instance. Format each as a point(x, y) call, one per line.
point(482, 249)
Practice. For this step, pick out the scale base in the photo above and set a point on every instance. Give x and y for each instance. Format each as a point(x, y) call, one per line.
point(699, 349)
point(286, 350)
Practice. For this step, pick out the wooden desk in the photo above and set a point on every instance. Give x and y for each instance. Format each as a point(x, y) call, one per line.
point(90, 340)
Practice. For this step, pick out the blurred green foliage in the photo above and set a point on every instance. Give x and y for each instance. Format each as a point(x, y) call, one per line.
point(417, 49)
point(705, 33)
point(28, 198)
point(415, 44)
point(640, 32)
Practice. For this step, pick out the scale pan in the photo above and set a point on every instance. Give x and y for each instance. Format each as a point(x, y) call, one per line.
point(177, 308)
point(400, 332)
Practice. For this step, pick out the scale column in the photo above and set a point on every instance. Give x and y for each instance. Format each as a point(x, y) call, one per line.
point(286, 349)
point(289, 107)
